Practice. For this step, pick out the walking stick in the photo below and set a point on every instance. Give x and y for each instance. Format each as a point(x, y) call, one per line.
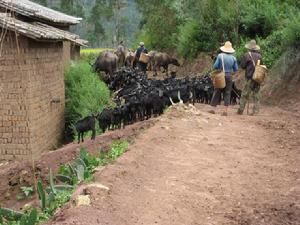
point(248, 107)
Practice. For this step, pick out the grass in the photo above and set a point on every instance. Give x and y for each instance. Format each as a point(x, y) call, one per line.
point(93, 50)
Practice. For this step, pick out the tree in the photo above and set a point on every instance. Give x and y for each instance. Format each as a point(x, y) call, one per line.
point(118, 20)
point(72, 7)
point(100, 12)
point(159, 23)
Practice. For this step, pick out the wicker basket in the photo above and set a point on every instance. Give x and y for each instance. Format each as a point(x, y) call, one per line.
point(260, 73)
point(218, 78)
point(144, 58)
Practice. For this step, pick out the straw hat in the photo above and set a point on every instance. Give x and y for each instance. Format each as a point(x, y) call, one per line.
point(142, 43)
point(252, 45)
point(227, 47)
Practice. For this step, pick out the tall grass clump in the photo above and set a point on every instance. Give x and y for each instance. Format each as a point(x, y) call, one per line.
point(85, 94)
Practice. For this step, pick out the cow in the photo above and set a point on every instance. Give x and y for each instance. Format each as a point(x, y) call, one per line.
point(121, 53)
point(106, 62)
point(164, 60)
point(129, 58)
point(151, 60)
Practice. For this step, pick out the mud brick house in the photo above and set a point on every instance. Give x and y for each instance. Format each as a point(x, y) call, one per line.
point(35, 46)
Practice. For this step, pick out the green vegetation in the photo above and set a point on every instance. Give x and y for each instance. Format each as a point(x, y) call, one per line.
point(85, 94)
point(104, 22)
point(27, 191)
point(117, 148)
point(160, 24)
point(196, 26)
point(292, 32)
point(186, 27)
point(56, 195)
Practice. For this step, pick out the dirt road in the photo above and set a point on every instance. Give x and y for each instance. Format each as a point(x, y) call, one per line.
point(195, 168)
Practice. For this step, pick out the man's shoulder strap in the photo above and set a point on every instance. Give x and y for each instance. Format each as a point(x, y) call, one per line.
point(254, 64)
point(222, 59)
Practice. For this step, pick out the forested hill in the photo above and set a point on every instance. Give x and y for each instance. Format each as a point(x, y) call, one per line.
point(105, 22)
point(188, 27)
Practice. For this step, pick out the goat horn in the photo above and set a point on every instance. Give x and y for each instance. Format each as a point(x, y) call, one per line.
point(171, 101)
point(180, 100)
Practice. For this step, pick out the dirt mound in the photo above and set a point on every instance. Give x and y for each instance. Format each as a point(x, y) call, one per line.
point(16, 174)
point(283, 84)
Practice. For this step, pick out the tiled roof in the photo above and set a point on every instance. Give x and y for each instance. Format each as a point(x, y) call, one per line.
point(37, 30)
point(34, 10)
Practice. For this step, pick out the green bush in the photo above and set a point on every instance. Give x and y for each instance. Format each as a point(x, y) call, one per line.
point(292, 32)
point(259, 18)
point(194, 38)
point(271, 48)
point(142, 36)
point(241, 50)
point(85, 94)
point(161, 29)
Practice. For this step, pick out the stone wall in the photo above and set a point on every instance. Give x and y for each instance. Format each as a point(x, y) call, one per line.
point(31, 97)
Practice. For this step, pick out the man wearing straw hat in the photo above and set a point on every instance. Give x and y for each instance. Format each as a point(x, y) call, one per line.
point(228, 61)
point(248, 62)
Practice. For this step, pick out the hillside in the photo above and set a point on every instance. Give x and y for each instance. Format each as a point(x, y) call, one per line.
point(129, 19)
point(283, 84)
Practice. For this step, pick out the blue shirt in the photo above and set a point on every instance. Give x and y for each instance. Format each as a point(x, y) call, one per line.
point(230, 63)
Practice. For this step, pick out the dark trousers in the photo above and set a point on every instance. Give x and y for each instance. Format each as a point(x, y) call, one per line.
point(216, 98)
point(142, 66)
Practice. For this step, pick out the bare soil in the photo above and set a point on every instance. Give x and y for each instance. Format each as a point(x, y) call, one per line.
point(196, 168)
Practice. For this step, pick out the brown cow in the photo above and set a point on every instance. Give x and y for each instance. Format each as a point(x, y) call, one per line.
point(107, 62)
point(164, 60)
point(129, 58)
point(121, 53)
point(151, 60)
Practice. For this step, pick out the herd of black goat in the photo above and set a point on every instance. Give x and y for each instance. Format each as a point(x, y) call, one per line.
point(138, 98)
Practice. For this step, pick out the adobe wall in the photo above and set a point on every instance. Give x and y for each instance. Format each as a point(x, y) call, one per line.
point(31, 97)
point(14, 101)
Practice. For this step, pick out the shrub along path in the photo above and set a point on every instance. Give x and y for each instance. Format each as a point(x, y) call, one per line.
point(192, 168)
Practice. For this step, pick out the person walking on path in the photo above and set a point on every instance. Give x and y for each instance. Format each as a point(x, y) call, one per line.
point(251, 88)
point(227, 59)
point(142, 66)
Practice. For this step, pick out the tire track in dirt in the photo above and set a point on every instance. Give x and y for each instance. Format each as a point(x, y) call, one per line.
point(192, 168)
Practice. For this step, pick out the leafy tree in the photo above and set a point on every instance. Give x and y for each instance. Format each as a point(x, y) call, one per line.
point(72, 7)
point(119, 21)
point(194, 38)
point(100, 11)
point(160, 23)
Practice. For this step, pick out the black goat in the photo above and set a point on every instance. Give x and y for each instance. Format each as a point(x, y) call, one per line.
point(86, 124)
point(145, 97)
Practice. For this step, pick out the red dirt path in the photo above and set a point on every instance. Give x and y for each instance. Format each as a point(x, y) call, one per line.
point(195, 168)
